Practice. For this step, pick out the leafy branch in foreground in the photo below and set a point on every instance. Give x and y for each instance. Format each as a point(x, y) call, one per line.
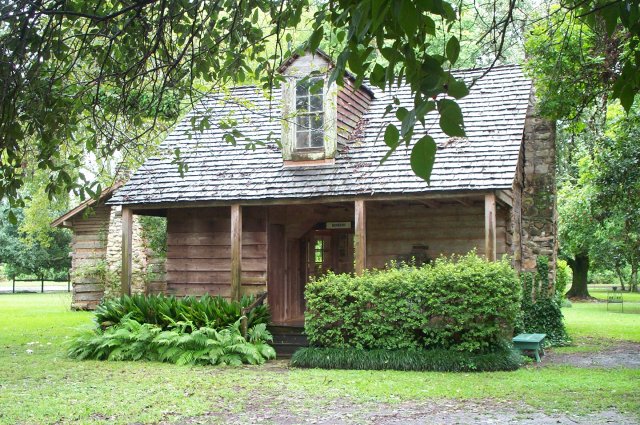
point(99, 78)
point(107, 78)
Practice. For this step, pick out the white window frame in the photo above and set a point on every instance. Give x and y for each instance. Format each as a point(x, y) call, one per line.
point(290, 152)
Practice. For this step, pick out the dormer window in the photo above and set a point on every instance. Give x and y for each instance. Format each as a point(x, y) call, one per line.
point(309, 114)
point(309, 105)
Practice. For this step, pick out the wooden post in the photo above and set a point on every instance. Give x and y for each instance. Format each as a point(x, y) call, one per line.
point(42, 284)
point(360, 242)
point(490, 226)
point(68, 282)
point(127, 239)
point(13, 290)
point(236, 251)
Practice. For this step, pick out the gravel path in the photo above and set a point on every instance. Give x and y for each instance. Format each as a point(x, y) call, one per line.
point(289, 412)
point(622, 354)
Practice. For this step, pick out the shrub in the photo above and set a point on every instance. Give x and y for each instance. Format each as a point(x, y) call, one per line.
point(541, 307)
point(437, 360)
point(131, 340)
point(562, 278)
point(463, 303)
point(165, 312)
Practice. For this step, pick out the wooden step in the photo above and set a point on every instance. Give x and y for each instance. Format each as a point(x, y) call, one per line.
point(287, 339)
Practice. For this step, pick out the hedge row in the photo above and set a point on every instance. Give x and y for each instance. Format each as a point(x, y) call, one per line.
point(406, 360)
point(463, 303)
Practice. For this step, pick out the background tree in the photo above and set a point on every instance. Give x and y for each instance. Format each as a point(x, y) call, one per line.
point(617, 183)
point(578, 63)
point(21, 256)
point(577, 229)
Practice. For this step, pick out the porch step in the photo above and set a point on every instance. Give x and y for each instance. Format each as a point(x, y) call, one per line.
point(287, 339)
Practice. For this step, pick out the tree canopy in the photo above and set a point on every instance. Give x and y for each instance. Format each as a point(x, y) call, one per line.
point(94, 80)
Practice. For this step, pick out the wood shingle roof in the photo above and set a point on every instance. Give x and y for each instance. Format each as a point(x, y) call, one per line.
point(494, 114)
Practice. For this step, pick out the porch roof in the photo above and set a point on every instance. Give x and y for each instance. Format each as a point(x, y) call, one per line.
point(494, 114)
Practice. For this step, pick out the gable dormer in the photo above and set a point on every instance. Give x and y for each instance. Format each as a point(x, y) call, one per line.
point(317, 117)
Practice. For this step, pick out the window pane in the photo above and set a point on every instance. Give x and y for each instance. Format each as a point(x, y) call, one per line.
point(316, 103)
point(302, 104)
point(302, 139)
point(302, 88)
point(316, 121)
point(302, 122)
point(317, 139)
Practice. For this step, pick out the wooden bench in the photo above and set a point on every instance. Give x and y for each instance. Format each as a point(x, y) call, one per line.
point(531, 342)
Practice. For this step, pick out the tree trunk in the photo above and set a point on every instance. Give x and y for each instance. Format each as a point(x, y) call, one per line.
point(620, 278)
point(633, 282)
point(580, 267)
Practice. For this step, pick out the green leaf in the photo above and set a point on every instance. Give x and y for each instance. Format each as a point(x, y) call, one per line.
point(451, 121)
point(12, 218)
point(391, 136)
point(453, 49)
point(316, 38)
point(423, 156)
point(627, 96)
point(408, 122)
point(457, 89)
point(409, 17)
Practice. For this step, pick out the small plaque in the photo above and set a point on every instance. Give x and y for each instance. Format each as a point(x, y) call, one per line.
point(338, 225)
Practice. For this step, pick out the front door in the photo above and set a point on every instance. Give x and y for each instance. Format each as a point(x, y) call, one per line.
point(327, 250)
point(295, 261)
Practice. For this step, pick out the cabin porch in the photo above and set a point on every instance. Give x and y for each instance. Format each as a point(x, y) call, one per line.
point(235, 250)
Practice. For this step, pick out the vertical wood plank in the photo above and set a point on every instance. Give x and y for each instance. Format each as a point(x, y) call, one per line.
point(236, 251)
point(490, 226)
point(127, 238)
point(276, 272)
point(360, 240)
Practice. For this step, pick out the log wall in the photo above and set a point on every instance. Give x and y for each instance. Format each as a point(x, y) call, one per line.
point(451, 228)
point(199, 251)
point(89, 247)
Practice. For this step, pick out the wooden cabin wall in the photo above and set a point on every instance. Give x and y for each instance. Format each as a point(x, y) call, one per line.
point(394, 229)
point(89, 248)
point(199, 251)
point(352, 105)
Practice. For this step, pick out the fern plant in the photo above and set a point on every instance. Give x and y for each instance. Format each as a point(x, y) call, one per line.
point(166, 312)
point(184, 344)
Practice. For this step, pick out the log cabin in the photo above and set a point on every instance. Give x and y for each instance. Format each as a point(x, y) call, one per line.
point(302, 189)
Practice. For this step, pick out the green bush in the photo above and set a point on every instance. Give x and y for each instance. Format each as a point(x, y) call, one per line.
point(408, 360)
point(541, 307)
point(131, 340)
point(562, 278)
point(206, 311)
point(463, 303)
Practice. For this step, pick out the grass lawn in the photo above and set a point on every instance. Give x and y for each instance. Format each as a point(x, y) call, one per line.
point(46, 387)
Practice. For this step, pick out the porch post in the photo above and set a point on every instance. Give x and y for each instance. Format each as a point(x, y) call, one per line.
point(127, 238)
point(360, 242)
point(236, 251)
point(490, 226)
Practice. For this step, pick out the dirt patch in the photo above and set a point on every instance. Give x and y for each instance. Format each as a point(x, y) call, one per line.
point(343, 411)
point(622, 354)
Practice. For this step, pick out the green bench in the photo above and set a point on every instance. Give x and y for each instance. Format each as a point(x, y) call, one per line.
point(531, 342)
point(615, 298)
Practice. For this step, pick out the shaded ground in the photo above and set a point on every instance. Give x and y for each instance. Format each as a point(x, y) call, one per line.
point(621, 354)
point(432, 412)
